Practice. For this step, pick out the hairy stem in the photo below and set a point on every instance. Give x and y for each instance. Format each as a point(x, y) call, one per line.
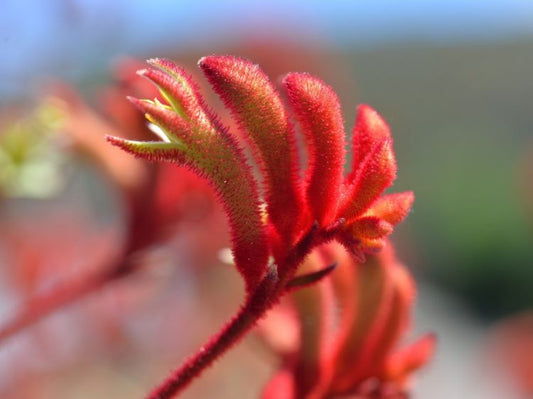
point(262, 299)
point(268, 293)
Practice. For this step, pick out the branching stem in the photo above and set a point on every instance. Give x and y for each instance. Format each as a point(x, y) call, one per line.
point(63, 294)
point(268, 293)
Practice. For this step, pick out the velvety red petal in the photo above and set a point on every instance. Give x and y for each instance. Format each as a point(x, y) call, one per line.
point(369, 129)
point(256, 106)
point(317, 109)
point(374, 175)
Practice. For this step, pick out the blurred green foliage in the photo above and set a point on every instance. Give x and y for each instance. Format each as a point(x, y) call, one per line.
point(29, 158)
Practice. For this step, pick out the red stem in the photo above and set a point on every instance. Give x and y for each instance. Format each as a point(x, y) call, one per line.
point(262, 299)
point(41, 305)
point(267, 294)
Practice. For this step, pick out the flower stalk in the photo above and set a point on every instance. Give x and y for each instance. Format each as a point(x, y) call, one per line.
point(276, 221)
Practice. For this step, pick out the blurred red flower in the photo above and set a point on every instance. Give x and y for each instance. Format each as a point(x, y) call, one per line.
point(346, 330)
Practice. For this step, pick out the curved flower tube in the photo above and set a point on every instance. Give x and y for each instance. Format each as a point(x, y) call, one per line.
point(276, 220)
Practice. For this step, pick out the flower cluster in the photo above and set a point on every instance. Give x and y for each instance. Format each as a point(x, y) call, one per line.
point(279, 217)
point(340, 336)
point(192, 136)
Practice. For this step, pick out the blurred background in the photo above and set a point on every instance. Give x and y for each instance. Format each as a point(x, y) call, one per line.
point(452, 78)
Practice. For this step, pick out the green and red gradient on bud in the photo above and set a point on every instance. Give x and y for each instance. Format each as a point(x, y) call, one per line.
point(153, 210)
point(276, 220)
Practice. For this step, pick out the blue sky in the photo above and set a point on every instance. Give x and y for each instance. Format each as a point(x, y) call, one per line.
point(68, 37)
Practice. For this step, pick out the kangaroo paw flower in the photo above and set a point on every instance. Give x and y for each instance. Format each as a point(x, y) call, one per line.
point(196, 141)
point(280, 216)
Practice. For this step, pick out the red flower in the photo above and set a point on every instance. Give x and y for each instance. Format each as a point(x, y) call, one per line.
point(348, 330)
point(279, 216)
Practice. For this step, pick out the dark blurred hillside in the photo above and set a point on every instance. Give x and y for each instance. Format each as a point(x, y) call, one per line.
point(462, 118)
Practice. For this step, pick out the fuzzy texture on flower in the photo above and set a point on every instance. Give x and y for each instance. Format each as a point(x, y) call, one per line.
point(194, 137)
point(190, 132)
point(278, 217)
point(354, 352)
point(318, 111)
point(258, 109)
